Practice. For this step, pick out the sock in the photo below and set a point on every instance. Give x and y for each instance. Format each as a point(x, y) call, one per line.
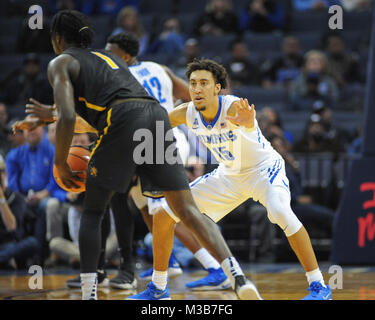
point(205, 258)
point(232, 269)
point(89, 284)
point(315, 275)
point(160, 278)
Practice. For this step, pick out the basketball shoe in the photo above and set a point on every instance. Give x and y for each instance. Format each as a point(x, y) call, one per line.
point(124, 281)
point(245, 289)
point(151, 293)
point(215, 280)
point(318, 292)
point(102, 280)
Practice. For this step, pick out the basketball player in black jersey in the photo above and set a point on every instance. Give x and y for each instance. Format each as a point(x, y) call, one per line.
point(99, 87)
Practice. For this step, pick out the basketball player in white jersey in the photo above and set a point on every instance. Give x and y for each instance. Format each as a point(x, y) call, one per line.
point(249, 168)
point(162, 84)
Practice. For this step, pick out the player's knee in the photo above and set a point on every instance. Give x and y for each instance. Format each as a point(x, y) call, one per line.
point(280, 213)
point(189, 215)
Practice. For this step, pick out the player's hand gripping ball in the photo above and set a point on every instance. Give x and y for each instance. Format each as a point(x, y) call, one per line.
point(78, 160)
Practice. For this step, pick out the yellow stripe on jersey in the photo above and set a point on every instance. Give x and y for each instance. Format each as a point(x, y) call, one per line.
point(105, 131)
point(110, 62)
point(90, 105)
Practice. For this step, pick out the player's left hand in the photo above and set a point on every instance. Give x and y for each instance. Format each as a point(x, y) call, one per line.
point(245, 114)
point(29, 123)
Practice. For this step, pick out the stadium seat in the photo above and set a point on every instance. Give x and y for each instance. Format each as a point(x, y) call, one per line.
point(309, 21)
point(187, 22)
point(263, 42)
point(152, 6)
point(309, 40)
point(216, 44)
point(103, 25)
point(275, 97)
point(187, 6)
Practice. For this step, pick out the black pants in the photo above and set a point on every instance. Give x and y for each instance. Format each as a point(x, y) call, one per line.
point(124, 224)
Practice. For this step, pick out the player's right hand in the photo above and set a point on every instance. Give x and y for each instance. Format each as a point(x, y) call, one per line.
point(67, 176)
point(44, 112)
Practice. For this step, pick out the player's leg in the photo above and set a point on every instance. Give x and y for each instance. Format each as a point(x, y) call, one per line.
point(95, 203)
point(207, 233)
point(279, 211)
point(124, 226)
point(216, 278)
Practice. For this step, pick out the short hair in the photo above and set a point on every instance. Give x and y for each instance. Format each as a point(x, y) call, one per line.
point(127, 42)
point(74, 27)
point(218, 71)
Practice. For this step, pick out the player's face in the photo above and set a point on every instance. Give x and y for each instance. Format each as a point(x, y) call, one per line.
point(203, 89)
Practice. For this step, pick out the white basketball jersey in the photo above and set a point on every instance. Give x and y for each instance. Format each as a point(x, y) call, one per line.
point(158, 84)
point(235, 149)
point(156, 81)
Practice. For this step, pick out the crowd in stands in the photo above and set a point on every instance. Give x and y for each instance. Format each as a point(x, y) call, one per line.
point(302, 81)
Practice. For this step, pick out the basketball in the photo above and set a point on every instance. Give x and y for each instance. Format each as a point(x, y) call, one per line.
point(78, 160)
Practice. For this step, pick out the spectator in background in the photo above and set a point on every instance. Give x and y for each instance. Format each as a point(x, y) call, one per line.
point(262, 16)
point(333, 132)
point(29, 81)
point(128, 20)
point(314, 83)
point(272, 126)
point(356, 5)
point(4, 142)
point(285, 68)
point(316, 140)
point(192, 51)
point(241, 70)
point(171, 41)
point(302, 5)
point(112, 7)
point(14, 242)
point(219, 18)
point(343, 66)
point(30, 169)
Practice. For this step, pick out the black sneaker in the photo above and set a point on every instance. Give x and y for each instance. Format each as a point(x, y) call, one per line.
point(245, 289)
point(102, 280)
point(124, 281)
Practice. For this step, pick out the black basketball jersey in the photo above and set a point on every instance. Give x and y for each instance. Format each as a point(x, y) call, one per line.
point(103, 77)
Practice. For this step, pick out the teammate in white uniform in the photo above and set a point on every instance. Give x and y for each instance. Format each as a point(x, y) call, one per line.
point(249, 168)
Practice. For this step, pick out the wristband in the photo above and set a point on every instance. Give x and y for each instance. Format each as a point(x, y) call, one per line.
point(3, 201)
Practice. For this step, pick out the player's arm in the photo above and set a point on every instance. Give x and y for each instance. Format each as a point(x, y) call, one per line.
point(180, 86)
point(60, 70)
point(241, 114)
point(178, 115)
point(48, 114)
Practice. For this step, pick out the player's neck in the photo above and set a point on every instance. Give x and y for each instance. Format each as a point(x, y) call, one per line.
point(133, 61)
point(211, 110)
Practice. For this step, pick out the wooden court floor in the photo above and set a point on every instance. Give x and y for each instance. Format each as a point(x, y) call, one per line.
point(283, 284)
